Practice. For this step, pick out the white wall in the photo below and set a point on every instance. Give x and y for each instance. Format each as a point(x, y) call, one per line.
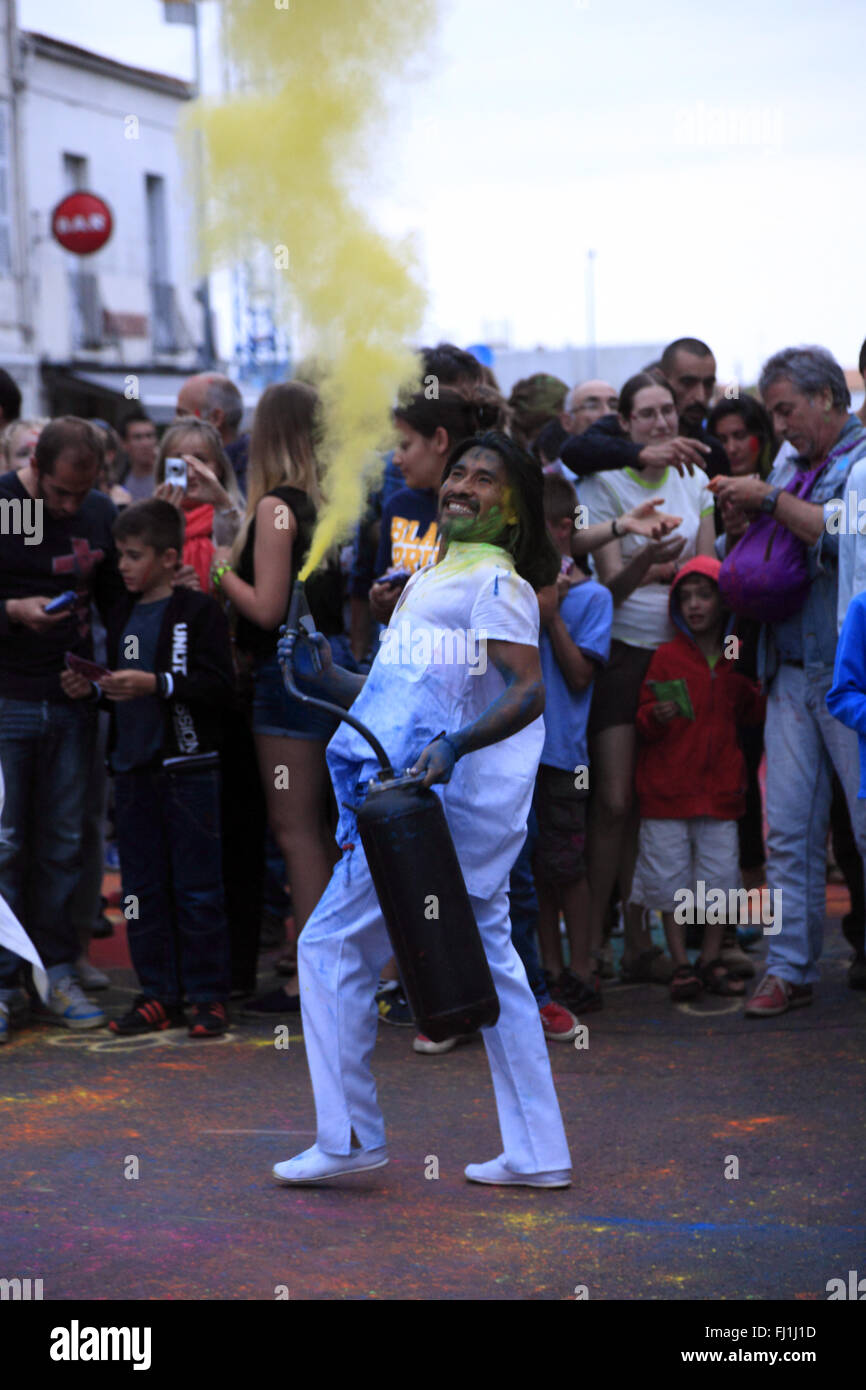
point(75, 111)
point(573, 365)
point(12, 335)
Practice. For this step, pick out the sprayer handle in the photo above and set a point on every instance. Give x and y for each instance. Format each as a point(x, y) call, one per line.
point(286, 646)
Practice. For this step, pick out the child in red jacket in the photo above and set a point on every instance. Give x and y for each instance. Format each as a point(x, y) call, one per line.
point(691, 780)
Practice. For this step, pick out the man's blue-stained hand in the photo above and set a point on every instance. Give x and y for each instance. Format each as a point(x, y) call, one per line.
point(436, 762)
point(298, 649)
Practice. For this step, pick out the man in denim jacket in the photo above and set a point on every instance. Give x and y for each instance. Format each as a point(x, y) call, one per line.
point(805, 391)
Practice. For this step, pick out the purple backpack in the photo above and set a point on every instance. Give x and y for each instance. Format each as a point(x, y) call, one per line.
point(766, 575)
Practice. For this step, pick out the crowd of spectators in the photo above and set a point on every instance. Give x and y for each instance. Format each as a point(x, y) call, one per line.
point(704, 721)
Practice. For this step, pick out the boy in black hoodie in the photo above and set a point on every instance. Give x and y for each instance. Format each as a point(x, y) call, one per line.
point(171, 674)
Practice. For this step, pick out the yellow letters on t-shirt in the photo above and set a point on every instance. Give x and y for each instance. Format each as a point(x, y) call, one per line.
point(410, 551)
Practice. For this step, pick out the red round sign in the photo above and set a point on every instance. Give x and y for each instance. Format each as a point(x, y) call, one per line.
point(82, 223)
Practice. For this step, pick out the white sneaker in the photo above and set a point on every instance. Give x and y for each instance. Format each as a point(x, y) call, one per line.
point(497, 1173)
point(314, 1165)
point(68, 1007)
point(424, 1044)
point(89, 977)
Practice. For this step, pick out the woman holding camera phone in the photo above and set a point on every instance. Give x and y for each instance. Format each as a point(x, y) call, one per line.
point(204, 488)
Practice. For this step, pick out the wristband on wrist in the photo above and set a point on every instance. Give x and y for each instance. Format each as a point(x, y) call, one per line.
point(614, 529)
point(444, 738)
point(217, 573)
point(164, 685)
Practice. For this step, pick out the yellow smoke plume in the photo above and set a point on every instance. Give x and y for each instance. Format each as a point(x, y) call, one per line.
point(283, 158)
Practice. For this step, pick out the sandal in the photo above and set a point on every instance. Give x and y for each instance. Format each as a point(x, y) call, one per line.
point(685, 983)
point(717, 979)
point(650, 967)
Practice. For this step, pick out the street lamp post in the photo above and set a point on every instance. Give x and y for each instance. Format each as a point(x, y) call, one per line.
point(590, 314)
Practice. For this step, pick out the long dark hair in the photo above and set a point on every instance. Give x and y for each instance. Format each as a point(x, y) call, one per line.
point(757, 422)
point(528, 540)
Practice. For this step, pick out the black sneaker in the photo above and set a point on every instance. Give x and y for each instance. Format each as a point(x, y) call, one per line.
point(148, 1016)
point(394, 1006)
point(208, 1020)
point(275, 1002)
point(580, 996)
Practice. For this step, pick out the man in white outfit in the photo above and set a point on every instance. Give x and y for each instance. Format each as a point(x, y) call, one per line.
point(463, 657)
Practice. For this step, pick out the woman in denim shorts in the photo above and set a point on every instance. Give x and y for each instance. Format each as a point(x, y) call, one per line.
point(257, 576)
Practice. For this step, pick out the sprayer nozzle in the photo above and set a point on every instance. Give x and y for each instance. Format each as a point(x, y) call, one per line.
point(298, 607)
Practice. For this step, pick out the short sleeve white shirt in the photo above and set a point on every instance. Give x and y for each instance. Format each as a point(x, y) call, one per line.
point(642, 619)
point(430, 675)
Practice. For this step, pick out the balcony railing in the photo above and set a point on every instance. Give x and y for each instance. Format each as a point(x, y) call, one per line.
point(168, 329)
point(86, 312)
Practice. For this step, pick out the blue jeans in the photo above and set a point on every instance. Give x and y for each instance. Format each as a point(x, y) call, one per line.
point(45, 752)
point(168, 834)
point(523, 908)
point(804, 743)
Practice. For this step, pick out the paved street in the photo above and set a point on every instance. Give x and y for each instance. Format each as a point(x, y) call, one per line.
point(656, 1108)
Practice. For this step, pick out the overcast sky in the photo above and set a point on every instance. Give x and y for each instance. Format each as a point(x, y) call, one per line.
point(711, 154)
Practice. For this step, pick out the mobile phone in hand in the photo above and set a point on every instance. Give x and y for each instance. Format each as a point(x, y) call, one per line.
point(396, 578)
point(91, 670)
point(176, 472)
point(62, 601)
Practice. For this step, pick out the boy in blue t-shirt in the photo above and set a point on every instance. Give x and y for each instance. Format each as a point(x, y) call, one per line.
point(574, 644)
point(170, 682)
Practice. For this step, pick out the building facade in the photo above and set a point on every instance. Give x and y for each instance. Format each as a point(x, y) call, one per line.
point(124, 323)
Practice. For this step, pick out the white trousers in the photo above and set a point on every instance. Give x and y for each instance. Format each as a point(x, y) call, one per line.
point(341, 952)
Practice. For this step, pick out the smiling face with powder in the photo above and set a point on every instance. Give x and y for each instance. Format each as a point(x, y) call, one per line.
point(475, 498)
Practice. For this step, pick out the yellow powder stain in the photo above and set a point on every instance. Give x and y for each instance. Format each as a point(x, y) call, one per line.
point(94, 1099)
point(286, 156)
point(524, 1220)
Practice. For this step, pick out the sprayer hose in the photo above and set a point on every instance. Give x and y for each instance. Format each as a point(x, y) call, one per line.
point(387, 770)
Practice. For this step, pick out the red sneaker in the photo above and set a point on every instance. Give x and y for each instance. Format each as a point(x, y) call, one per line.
point(208, 1020)
point(558, 1023)
point(776, 996)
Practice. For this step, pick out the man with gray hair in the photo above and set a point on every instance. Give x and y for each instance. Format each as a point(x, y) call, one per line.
point(587, 402)
point(805, 392)
point(215, 398)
